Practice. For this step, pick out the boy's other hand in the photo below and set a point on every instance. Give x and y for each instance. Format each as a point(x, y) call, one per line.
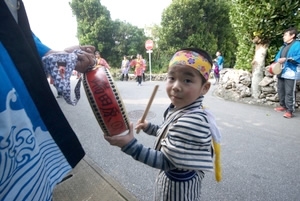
point(120, 140)
point(140, 125)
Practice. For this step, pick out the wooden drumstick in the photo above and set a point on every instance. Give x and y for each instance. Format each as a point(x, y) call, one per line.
point(148, 106)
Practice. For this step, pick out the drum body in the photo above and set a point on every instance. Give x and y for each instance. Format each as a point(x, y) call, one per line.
point(275, 68)
point(105, 101)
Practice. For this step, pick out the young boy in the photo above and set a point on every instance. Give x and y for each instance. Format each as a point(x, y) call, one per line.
point(183, 149)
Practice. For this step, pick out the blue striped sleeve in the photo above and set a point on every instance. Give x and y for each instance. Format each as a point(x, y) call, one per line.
point(148, 156)
point(151, 129)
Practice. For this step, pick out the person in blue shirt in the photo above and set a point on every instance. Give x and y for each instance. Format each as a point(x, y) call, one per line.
point(289, 57)
point(38, 147)
point(220, 60)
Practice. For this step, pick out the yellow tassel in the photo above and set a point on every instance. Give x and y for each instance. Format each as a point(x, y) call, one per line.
point(218, 168)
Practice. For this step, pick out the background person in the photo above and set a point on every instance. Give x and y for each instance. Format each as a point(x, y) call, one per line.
point(220, 60)
point(144, 68)
point(138, 65)
point(125, 66)
point(289, 57)
point(100, 61)
point(216, 72)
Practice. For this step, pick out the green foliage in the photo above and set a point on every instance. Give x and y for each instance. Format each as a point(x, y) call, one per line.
point(203, 24)
point(160, 60)
point(113, 39)
point(233, 27)
point(245, 53)
point(94, 25)
point(129, 41)
point(261, 22)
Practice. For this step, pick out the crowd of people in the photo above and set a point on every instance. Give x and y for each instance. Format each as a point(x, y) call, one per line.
point(136, 63)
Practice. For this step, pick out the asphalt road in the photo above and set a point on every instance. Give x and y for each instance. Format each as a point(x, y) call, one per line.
point(260, 148)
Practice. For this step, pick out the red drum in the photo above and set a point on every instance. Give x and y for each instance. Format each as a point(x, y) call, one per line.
point(275, 68)
point(105, 101)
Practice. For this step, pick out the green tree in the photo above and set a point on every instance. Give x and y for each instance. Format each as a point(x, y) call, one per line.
point(94, 24)
point(112, 38)
point(157, 56)
point(129, 40)
point(204, 24)
point(258, 25)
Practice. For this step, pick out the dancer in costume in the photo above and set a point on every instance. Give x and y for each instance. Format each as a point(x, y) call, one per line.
point(125, 67)
point(37, 145)
point(184, 147)
point(100, 61)
point(138, 65)
point(144, 68)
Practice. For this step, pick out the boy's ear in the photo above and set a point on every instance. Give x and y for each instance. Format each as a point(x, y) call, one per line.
point(205, 88)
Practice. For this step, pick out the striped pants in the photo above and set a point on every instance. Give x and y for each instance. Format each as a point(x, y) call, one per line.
point(168, 189)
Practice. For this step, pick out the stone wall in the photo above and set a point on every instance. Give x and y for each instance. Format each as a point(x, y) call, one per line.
point(236, 85)
point(154, 77)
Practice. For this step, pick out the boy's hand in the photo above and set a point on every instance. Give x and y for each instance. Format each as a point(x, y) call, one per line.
point(141, 126)
point(121, 140)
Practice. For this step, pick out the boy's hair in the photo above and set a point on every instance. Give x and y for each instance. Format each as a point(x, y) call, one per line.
point(204, 54)
point(292, 31)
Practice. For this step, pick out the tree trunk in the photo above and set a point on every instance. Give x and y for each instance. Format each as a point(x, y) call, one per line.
point(258, 66)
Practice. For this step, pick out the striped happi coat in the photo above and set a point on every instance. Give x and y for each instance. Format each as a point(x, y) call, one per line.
point(182, 152)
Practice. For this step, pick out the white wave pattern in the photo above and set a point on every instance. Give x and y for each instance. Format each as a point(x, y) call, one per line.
point(31, 164)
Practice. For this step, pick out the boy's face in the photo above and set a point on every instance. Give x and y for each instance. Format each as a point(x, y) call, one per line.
point(184, 85)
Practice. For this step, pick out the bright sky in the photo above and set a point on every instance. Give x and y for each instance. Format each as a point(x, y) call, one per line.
point(53, 22)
